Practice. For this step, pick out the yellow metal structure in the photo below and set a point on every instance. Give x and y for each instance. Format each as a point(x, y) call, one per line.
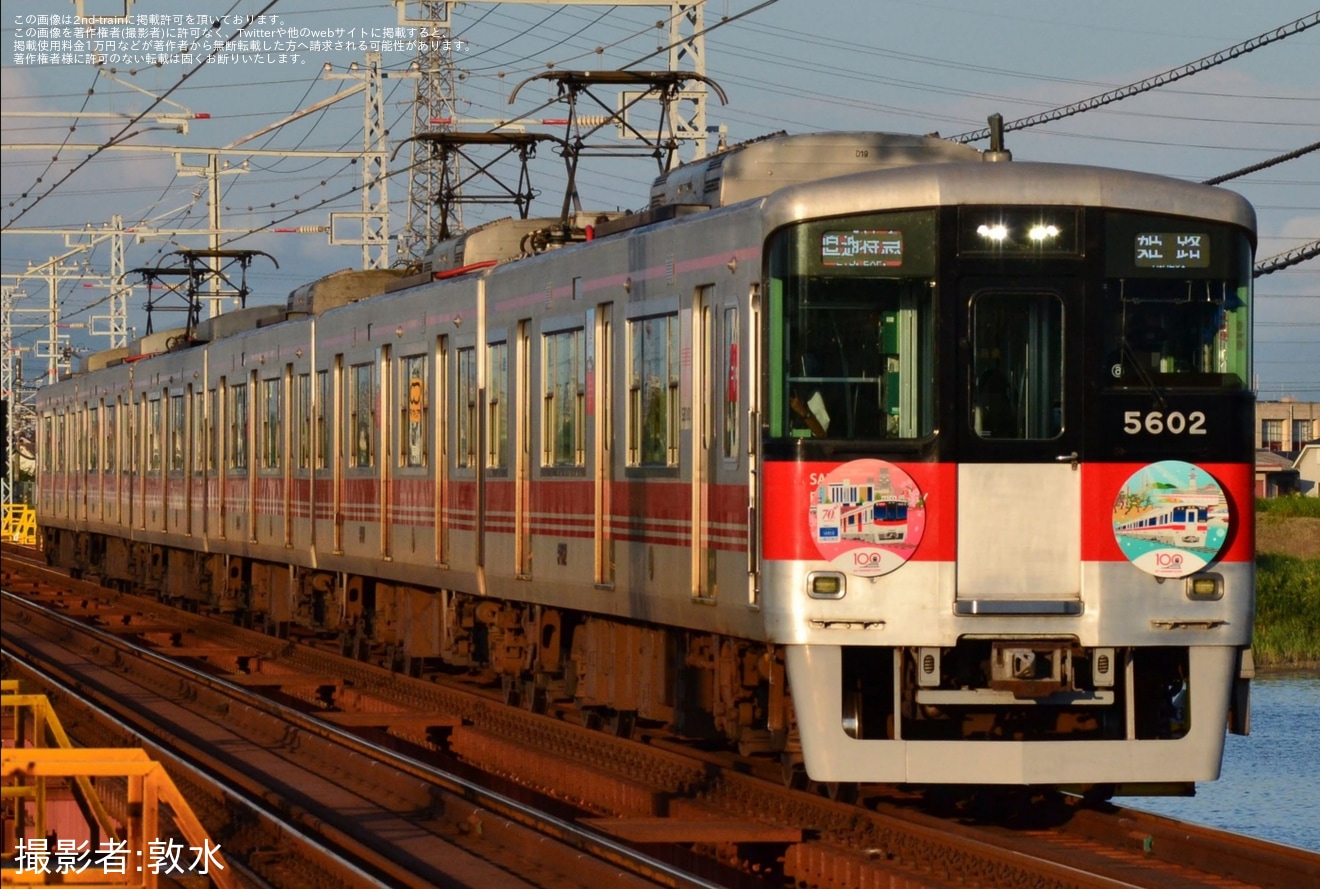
point(136, 848)
point(20, 524)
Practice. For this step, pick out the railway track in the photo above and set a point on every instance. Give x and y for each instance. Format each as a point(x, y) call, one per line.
point(726, 817)
point(369, 808)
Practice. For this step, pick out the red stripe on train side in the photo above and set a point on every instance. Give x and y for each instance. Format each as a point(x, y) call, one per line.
point(787, 500)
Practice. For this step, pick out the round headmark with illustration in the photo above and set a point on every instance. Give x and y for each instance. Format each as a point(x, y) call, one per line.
point(866, 517)
point(1171, 518)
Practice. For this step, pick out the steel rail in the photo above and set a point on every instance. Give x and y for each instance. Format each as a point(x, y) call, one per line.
point(583, 840)
point(313, 849)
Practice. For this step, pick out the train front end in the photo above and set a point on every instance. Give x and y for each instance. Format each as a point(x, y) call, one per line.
point(1006, 474)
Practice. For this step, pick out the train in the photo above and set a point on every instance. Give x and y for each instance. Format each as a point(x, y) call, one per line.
point(830, 453)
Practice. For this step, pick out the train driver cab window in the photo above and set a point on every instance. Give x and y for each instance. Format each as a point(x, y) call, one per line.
point(1177, 304)
point(850, 342)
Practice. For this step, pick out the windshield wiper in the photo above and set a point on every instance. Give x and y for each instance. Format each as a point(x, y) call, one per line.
point(1145, 376)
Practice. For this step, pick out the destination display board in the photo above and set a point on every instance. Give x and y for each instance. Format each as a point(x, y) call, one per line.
point(1171, 250)
point(861, 248)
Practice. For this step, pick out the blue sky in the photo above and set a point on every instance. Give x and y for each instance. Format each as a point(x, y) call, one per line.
point(916, 66)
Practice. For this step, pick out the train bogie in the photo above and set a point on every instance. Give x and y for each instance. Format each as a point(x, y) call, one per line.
point(936, 472)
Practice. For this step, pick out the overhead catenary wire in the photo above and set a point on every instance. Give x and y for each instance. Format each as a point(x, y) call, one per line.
point(124, 133)
point(1150, 83)
point(284, 181)
point(1293, 257)
point(1264, 165)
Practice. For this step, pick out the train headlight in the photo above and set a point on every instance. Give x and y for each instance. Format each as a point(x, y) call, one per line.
point(825, 585)
point(1205, 587)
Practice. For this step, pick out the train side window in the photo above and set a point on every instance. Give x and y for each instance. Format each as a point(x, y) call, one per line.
point(108, 452)
point(201, 432)
point(93, 439)
point(467, 408)
point(653, 403)
point(213, 432)
point(153, 435)
point(270, 424)
point(413, 411)
point(361, 410)
point(565, 377)
point(238, 426)
point(47, 442)
point(497, 405)
point(178, 431)
point(732, 414)
point(133, 439)
point(323, 427)
point(303, 446)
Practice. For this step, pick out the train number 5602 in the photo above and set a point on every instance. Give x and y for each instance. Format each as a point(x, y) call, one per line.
point(1158, 422)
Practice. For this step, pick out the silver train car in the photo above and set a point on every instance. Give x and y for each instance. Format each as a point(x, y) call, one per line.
point(825, 453)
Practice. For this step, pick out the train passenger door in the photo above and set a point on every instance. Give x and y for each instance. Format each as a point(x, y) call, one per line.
point(291, 427)
point(192, 431)
point(522, 397)
point(601, 402)
point(440, 401)
point(252, 461)
point(705, 454)
point(1019, 484)
point(338, 454)
point(385, 406)
point(220, 429)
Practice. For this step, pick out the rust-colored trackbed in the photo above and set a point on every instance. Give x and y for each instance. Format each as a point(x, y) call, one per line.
point(729, 818)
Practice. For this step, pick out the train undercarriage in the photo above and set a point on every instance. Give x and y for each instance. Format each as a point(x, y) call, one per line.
point(621, 675)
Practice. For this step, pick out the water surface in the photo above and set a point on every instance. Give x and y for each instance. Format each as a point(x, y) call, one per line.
point(1270, 784)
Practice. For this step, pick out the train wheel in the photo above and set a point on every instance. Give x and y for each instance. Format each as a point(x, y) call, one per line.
point(621, 723)
point(1098, 794)
point(536, 697)
point(846, 792)
point(852, 713)
point(794, 772)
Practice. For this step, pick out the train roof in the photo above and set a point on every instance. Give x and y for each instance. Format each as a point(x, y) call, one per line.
point(507, 239)
point(1042, 184)
point(757, 168)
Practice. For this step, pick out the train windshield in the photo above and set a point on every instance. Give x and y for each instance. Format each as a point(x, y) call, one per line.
point(851, 328)
point(1177, 304)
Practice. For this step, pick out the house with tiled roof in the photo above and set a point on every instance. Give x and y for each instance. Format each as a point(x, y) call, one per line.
point(1307, 465)
point(1275, 474)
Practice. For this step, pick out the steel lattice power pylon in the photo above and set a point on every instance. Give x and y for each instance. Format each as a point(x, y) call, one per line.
point(433, 111)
